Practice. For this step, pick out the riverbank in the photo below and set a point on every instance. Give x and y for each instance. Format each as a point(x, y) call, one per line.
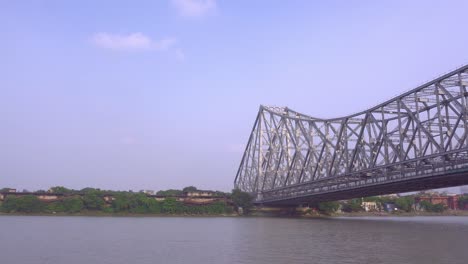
point(104, 214)
point(256, 215)
point(416, 213)
point(256, 212)
point(309, 213)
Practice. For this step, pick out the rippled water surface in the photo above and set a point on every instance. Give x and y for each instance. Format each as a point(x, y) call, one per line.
point(78, 240)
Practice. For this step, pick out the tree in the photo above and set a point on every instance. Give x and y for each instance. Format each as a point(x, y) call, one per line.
point(216, 208)
point(189, 189)
point(371, 199)
point(353, 205)
point(61, 189)
point(72, 204)
point(29, 204)
point(154, 206)
point(429, 207)
point(170, 192)
point(121, 202)
point(405, 203)
point(55, 207)
point(91, 190)
point(26, 204)
point(241, 199)
point(169, 206)
point(92, 201)
point(9, 204)
point(138, 203)
point(438, 208)
point(328, 207)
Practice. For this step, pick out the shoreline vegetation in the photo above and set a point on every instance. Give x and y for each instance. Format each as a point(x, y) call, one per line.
point(191, 202)
point(89, 201)
point(298, 213)
point(254, 213)
point(103, 214)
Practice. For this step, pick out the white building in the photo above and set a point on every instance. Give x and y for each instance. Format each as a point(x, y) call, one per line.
point(369, 206)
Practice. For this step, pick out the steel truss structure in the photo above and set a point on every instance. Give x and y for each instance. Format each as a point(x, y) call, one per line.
point(415, 141)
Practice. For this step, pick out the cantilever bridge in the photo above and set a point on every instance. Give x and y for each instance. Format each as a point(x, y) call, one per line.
point(415, 141)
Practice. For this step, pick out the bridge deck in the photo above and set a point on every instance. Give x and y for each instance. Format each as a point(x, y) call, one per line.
point(455, 178)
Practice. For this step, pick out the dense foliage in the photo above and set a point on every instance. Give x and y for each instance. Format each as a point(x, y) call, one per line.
point(405, 203)
point(328, 207)
point(429, 207)
point(123, 202)
point(189, 189)
point(242, 199)
point(353, 205)
point(26, 204)
point(66, 205)
point(61, 189)
point(170, 192)
point(92, 200)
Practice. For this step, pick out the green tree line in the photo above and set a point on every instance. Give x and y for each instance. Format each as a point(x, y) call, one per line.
point(92, 200)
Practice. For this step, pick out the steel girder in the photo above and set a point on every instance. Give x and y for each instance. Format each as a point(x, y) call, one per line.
point(419, 133)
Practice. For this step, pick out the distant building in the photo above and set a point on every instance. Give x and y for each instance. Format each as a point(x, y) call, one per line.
point(48, 197)
point(450, 201)
point(108, 198)
point(149, 192)
point(41, 196)
point(369, 206)
point(199, 193)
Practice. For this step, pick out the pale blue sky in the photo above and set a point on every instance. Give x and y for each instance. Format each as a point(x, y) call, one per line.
point(163, 94)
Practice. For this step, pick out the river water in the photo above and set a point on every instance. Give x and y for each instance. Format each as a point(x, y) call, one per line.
point(83, 240)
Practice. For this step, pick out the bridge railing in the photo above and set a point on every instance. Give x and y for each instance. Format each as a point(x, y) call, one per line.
point(433, 165)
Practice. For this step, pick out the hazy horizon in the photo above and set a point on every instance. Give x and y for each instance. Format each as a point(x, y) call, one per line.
point(163, 94)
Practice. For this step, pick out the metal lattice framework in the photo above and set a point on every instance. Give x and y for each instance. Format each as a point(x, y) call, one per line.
point(419, 134)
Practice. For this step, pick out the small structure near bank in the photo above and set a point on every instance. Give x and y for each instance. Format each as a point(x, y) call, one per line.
point(369, 206)
point(389, 207)
point(199, 193)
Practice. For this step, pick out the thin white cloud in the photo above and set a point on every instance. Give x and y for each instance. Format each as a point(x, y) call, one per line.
point(194, 8)
point(132, 42)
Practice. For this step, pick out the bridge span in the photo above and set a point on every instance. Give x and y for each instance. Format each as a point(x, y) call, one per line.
point(415, 141)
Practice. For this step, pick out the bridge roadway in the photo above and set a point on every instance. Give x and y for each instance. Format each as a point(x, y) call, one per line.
point(413, 142)
point(424, 182)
